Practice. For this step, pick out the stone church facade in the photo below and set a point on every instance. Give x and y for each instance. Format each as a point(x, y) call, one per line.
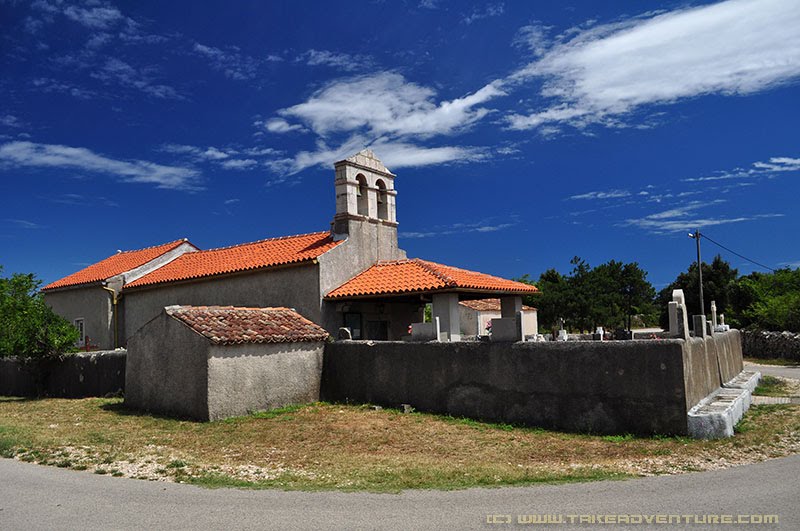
point(353, 275)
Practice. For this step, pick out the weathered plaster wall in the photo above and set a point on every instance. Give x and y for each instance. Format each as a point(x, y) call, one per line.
point(74, 376)
point(167, 370)
point(367, 242)
point(258, 377)
point(641, 386)
point(294, 287)
point(711, 362)
point(606, 387)
point(93, 304)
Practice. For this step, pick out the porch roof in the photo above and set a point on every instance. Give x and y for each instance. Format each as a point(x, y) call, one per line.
point(413, 276)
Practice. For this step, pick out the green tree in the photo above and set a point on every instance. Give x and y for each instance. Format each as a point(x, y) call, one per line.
point(28, 327)
point(718, 279)
point(550, 302)
point(606, 295)
point(767, 301)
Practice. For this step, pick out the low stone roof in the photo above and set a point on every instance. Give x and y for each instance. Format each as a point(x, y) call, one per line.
point(244, 257)
point(114, 265)
point(230, 325)
point(401, 277)
point(489, 305)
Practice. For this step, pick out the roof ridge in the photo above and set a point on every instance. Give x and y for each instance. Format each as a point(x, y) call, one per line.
point(179, 240)
point(274, 238)
point(429, 267)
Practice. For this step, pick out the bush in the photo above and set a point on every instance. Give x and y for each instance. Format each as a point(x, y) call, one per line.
point(28, 327)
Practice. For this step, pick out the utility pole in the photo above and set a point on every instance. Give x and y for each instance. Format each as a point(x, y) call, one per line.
point(696, 236)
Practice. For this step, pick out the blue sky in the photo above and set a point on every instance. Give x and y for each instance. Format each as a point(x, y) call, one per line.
point(522, 133)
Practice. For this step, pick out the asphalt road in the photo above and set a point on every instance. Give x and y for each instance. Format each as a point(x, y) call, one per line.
point(36, 497)
point(792, 371)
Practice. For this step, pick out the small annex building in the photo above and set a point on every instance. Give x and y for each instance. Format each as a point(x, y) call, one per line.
point(477, 315)
point(213, 362)
point(353, 275)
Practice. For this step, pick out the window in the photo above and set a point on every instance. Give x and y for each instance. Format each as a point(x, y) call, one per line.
point(362, 195)
point(78, 323)
point(383, 204)
point(353, 322)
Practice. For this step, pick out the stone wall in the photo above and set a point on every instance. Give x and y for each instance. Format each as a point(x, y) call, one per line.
point(769, 345)
point(643, 387)
point(74, 376)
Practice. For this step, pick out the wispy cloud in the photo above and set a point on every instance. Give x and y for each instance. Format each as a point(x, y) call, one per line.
point(83, 200)
point(491, 10)
point(50, 85)
point(29, 154)
point(758, 169)
point(599, 74)
point(9, 120)
point(610, 194)
point(337, 60)
point(25, 224)
point(224, 157)
point(230, 61)
point(278, 125)
point(482, 226)
point(121, 73)
point(393, 154)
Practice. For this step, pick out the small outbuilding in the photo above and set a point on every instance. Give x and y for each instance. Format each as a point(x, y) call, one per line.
point(213, 362)
point(477, 315)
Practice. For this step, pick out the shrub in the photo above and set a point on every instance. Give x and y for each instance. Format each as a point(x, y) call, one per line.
point(28, 327)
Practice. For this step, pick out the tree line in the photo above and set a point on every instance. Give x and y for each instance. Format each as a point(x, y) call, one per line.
point(617, 296)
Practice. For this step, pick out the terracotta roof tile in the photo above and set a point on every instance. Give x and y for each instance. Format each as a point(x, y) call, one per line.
point(229, 325)
point(114, 265)
point(417, 276)
point(488, 305)
point(243, 257)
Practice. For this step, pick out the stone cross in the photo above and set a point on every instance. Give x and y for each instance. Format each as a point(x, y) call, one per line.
point(714, 315)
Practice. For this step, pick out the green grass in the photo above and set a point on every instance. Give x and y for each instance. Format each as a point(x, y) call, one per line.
point(344, 447)
point(771, 386)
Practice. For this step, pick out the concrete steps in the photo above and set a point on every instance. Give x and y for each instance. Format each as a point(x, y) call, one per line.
point(716, 415)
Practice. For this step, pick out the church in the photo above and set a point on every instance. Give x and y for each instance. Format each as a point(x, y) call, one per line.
point(352, 276)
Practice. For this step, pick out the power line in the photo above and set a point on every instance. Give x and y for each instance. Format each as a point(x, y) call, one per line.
point(704, 235)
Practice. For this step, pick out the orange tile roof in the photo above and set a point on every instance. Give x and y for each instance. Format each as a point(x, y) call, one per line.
point(488, 305)
point(419, 276)
point(114, 265)
point(243, 257)
point(229, 325)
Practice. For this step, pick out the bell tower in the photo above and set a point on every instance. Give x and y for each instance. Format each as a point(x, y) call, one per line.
point(364, 194)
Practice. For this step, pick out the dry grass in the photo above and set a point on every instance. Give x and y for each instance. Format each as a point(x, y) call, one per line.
point(325, 446)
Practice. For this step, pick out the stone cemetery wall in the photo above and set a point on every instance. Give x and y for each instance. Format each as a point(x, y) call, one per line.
point(769, 345)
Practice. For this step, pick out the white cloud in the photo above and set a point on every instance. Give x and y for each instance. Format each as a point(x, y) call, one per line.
point(610, 194)
point(483, 226)
point(230, 61)
point(731, 48)
point(239, 164)
point(341, 61)
point(24, 224)
point(29, 154)
point(118, 71)
point(683, 217)
point(279, 125)
point(386, 103)
point(491, 10)
point(758, 169)
point(94, 17)
point(393, 154)
point(10, 120)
